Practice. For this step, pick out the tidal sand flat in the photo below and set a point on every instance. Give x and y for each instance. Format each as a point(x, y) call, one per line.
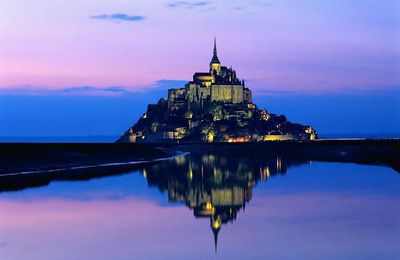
point(27, 157)
point(27, 165)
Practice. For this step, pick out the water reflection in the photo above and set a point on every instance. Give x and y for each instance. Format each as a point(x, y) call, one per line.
point(214, 187)
point(318, 210)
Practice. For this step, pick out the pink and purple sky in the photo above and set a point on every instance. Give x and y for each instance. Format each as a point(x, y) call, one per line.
point(101, 49)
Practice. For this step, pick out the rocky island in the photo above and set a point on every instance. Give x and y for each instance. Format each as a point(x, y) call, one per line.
point(216, 106)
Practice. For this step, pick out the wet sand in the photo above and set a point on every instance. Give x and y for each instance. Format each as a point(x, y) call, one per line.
point(36, 164)
point(37, 157)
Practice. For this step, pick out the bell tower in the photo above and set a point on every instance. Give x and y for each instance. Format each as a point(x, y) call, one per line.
point(215, 65)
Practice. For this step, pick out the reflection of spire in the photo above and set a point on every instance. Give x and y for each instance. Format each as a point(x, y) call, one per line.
point(215, 227)
point(215, 231)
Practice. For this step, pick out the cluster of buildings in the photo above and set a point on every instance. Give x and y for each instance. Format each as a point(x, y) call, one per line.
point(215, 106)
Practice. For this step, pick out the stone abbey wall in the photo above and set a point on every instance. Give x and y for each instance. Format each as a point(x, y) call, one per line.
point(204, 93)
point(237, 94)
point(195, 93)
point(221, 93)
point(191, 89)
point(227, 93)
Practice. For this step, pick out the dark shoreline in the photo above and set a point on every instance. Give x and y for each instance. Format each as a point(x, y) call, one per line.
point(385, 152)
point(23, 157)
point(44, 158)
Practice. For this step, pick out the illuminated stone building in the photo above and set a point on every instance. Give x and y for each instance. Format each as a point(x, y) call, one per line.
point(219, 84)
point(215, 106)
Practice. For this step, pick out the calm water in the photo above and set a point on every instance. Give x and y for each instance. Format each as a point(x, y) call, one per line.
point(207, 206)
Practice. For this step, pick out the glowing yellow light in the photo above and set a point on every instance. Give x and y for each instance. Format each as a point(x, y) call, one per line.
point(189, 115)
point(209, 205)
point(239, 139)
point(210, 137)
point(216, 223)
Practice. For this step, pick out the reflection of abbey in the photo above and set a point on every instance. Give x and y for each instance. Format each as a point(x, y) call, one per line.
point(220, 84)
point(213, 186)
point(213, 107)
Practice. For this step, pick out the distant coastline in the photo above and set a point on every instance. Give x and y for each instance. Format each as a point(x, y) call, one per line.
point(59, 139)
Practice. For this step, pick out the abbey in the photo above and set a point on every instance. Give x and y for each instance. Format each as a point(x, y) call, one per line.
point(220, 84)
point(215, 106)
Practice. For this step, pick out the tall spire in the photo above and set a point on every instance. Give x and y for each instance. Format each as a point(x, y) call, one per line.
point(215, 59)
point(215, 46)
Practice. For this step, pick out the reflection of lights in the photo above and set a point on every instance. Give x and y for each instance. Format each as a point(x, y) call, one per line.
point(264, 173)
point(216, 223)
point(144, 173)
point(180, 160)
point(278, 164)
point(190, 171)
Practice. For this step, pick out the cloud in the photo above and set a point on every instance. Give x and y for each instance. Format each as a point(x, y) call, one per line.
point(94, 89)
point(389, 91)
point(263, 92)
point(238, 5)
point(232, 5)
point(119, 17)
point(158, 88)
point(169, 83)
point(26, 90)
point(187, 5)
